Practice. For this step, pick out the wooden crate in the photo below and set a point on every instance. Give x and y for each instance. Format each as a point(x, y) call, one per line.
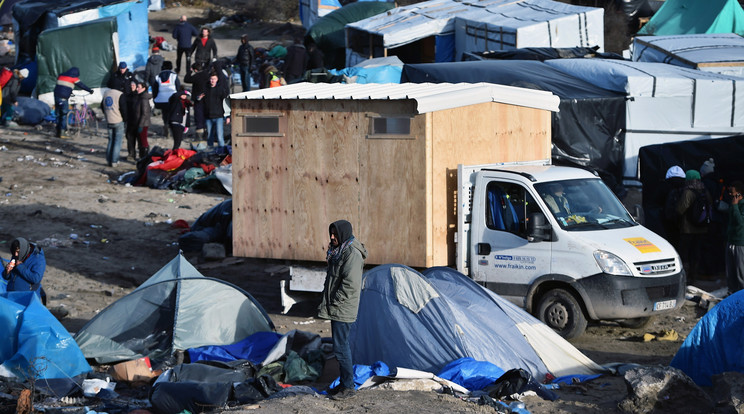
point(399, 194)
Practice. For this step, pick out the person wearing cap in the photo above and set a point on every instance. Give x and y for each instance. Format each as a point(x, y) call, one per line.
point(691, 233)
point(154, 65)
point(166, 84)
point(121, 77)
point(66, 82)
point(10, 95)
point(183, 33)
point(25, 269)
point(668, 195)
point(178, 115)
point(340, 298)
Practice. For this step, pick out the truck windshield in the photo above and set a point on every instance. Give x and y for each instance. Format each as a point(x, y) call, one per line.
point(581, 205)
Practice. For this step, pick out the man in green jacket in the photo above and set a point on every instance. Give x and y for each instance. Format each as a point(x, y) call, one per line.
point(735, 239)
point(340, 304)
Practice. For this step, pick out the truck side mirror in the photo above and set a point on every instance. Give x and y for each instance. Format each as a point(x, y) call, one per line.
point(538, 229)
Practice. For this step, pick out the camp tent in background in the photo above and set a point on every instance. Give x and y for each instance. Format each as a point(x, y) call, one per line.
point(666, 103)
point(312, 10)
point(719, 53)
point(329, 33)
point(714, 345)
point(35, 344)
point(175, 309)
point(423, 322)
point(425, 32)
point(694, 17)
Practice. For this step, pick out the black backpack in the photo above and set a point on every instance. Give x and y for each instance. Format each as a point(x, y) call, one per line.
point(670, 204)
point(700, 210)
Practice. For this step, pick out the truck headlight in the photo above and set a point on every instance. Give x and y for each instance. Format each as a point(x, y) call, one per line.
point(611, 264)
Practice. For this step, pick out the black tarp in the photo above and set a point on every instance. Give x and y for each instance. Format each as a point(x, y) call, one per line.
point(589, 129)
point(542, 53)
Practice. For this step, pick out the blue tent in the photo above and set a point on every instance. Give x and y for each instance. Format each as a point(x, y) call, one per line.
point(35, 343)
point(410, 320)
point(715, 344)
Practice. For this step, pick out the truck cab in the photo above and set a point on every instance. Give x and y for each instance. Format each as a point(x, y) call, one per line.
point(557, 242)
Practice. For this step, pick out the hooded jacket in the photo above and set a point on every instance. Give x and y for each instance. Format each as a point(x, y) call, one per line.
point(204, 52)
point(68, 80)
point(27, 275)
point(343, 284)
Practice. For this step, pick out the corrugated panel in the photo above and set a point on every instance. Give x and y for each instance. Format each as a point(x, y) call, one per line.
point(429, 97)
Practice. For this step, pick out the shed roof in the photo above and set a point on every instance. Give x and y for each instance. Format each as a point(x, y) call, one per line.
point(429, 97)
point(693, 49)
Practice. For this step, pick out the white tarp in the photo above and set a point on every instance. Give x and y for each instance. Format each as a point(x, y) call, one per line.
point(508, 25)
point(665, 103)
point(720, 53)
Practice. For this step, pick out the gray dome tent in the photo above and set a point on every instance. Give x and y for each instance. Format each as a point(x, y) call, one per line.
point(176, 308)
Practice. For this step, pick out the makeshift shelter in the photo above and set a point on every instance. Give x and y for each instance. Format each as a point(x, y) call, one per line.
point(35, 345)
point(329, 33)
point(424, 321)
point(693, 17)
point(666, 103)
point(313, 10)
point(426, 32)
point(175, 309)
point(587, 131)
point(380, 155)
point(714, 345)
point(720, 53)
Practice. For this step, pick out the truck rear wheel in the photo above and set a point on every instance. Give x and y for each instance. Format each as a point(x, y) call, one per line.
point(561, 311)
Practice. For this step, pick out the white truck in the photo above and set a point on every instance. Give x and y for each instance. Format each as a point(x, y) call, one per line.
point(557, 242)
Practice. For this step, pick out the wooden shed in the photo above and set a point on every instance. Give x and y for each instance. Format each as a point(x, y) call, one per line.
point(383, 156)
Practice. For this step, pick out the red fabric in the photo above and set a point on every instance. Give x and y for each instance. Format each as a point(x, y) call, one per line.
point(68, 79)
point(180, 224)
point(204, 41)
point(5, 75)
point(158, 40)
point(208, 168)
point(171, 159)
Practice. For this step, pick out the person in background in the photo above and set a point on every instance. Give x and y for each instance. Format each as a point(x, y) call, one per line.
point(204, 48)
point(556, 200)
point(214, 109)
point(165, 85)
point(66, 82)
point(131, 128)
point(199, 80)
point(714, 246)
point(120, 78)
point(10, 95)
point(341, 293)
point(316, 56)
point(691, 234)
point(244, 59)
point(295, 63)
point(183, 32)
point(25, 269)
point(178, 115)
point(735, 239)
point(153, 66)
point(142, 115)
point(114, 106)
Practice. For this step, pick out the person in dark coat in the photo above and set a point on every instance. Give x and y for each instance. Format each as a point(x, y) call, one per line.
point(66, 82)
point(142, 113)
point(316, 56)
point(120, 78)
point(153, 66)
point(341, 293)
point(178, 115)
point(183, 32)
point(25, 269)
point(199, 79)
point(295, 63)
point(131, 128)
point(213, 97)
point(204, 48)
point(244, 59)
point(690, 233)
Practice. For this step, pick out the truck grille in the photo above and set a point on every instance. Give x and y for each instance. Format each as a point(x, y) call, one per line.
point(656, 267)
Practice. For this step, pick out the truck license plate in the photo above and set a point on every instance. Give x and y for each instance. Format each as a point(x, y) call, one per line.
point(663, 305)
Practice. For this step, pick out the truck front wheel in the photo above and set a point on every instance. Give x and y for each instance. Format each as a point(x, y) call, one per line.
point(561, 311)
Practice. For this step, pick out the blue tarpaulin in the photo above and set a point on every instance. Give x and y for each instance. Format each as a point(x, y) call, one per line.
point(36, 343)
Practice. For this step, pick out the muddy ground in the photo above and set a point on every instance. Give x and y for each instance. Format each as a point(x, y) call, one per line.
point(103, 238)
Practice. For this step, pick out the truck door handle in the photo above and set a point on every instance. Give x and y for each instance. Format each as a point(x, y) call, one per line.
point(483, 249)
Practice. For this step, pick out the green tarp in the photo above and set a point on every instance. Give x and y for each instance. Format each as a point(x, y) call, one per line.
point(696, 17)
point(89, 46)
point(328, 32)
